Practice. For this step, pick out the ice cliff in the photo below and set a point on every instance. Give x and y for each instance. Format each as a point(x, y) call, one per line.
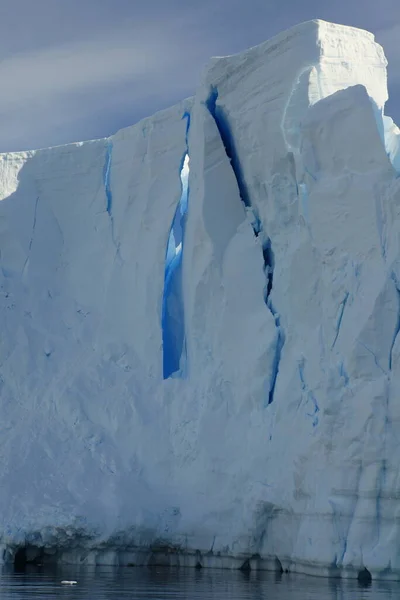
point(199, 358)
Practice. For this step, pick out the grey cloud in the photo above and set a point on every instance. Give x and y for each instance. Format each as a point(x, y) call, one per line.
point(57, 70)
point(84, 68)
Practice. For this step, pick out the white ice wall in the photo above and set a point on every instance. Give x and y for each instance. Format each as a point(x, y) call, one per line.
point(280, 438)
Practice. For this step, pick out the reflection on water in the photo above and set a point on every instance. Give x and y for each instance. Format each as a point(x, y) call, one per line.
point(189, 584)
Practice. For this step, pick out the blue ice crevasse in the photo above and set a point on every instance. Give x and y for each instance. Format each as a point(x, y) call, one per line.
point(173, 320)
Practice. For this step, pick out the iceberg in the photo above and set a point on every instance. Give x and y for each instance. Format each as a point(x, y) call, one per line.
point(199, 359)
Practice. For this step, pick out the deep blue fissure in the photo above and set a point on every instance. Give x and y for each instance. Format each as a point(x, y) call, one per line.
point(277, 358)
point(106, 176)
point(229, 144)
point(173, 318)
point(108, 191)
point(269, 265)
point(228, 141)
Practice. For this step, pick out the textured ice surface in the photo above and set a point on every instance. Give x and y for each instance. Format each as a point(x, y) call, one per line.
point(274, 435)
point(392, 142)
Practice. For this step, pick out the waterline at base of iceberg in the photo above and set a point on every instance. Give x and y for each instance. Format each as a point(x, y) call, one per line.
point(164, 555)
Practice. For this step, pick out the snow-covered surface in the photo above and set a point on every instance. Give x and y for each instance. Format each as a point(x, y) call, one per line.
point(276, 436)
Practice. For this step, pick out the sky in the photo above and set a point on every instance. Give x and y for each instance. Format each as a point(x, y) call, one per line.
point(73, 70)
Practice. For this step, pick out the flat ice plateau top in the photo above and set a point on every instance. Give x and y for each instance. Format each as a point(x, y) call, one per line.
point(199, 351)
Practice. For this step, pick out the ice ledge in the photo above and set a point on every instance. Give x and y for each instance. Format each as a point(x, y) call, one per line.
point(352, 54)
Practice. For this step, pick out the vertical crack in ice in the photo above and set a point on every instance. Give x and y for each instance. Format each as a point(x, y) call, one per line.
point(303, 197)
point(106, 176)
point(32, 236)
point(173, 318)
point(337, 518)
point(228, 141)
point(277, 358)
point(397, 328)
point(381, 224)
point(350, 515)
point(343, 373)
point(34, 223)
point(108, 191)
point(230, 148)
point(381, 479)
point(342, 306)
point(310, 398)
point(269, 266)
point(374, 356)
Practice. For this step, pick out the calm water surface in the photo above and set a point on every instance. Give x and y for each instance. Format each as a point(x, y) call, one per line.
point(170, 584)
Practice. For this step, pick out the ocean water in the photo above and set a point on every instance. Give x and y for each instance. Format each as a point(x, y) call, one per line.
point(169, 584)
